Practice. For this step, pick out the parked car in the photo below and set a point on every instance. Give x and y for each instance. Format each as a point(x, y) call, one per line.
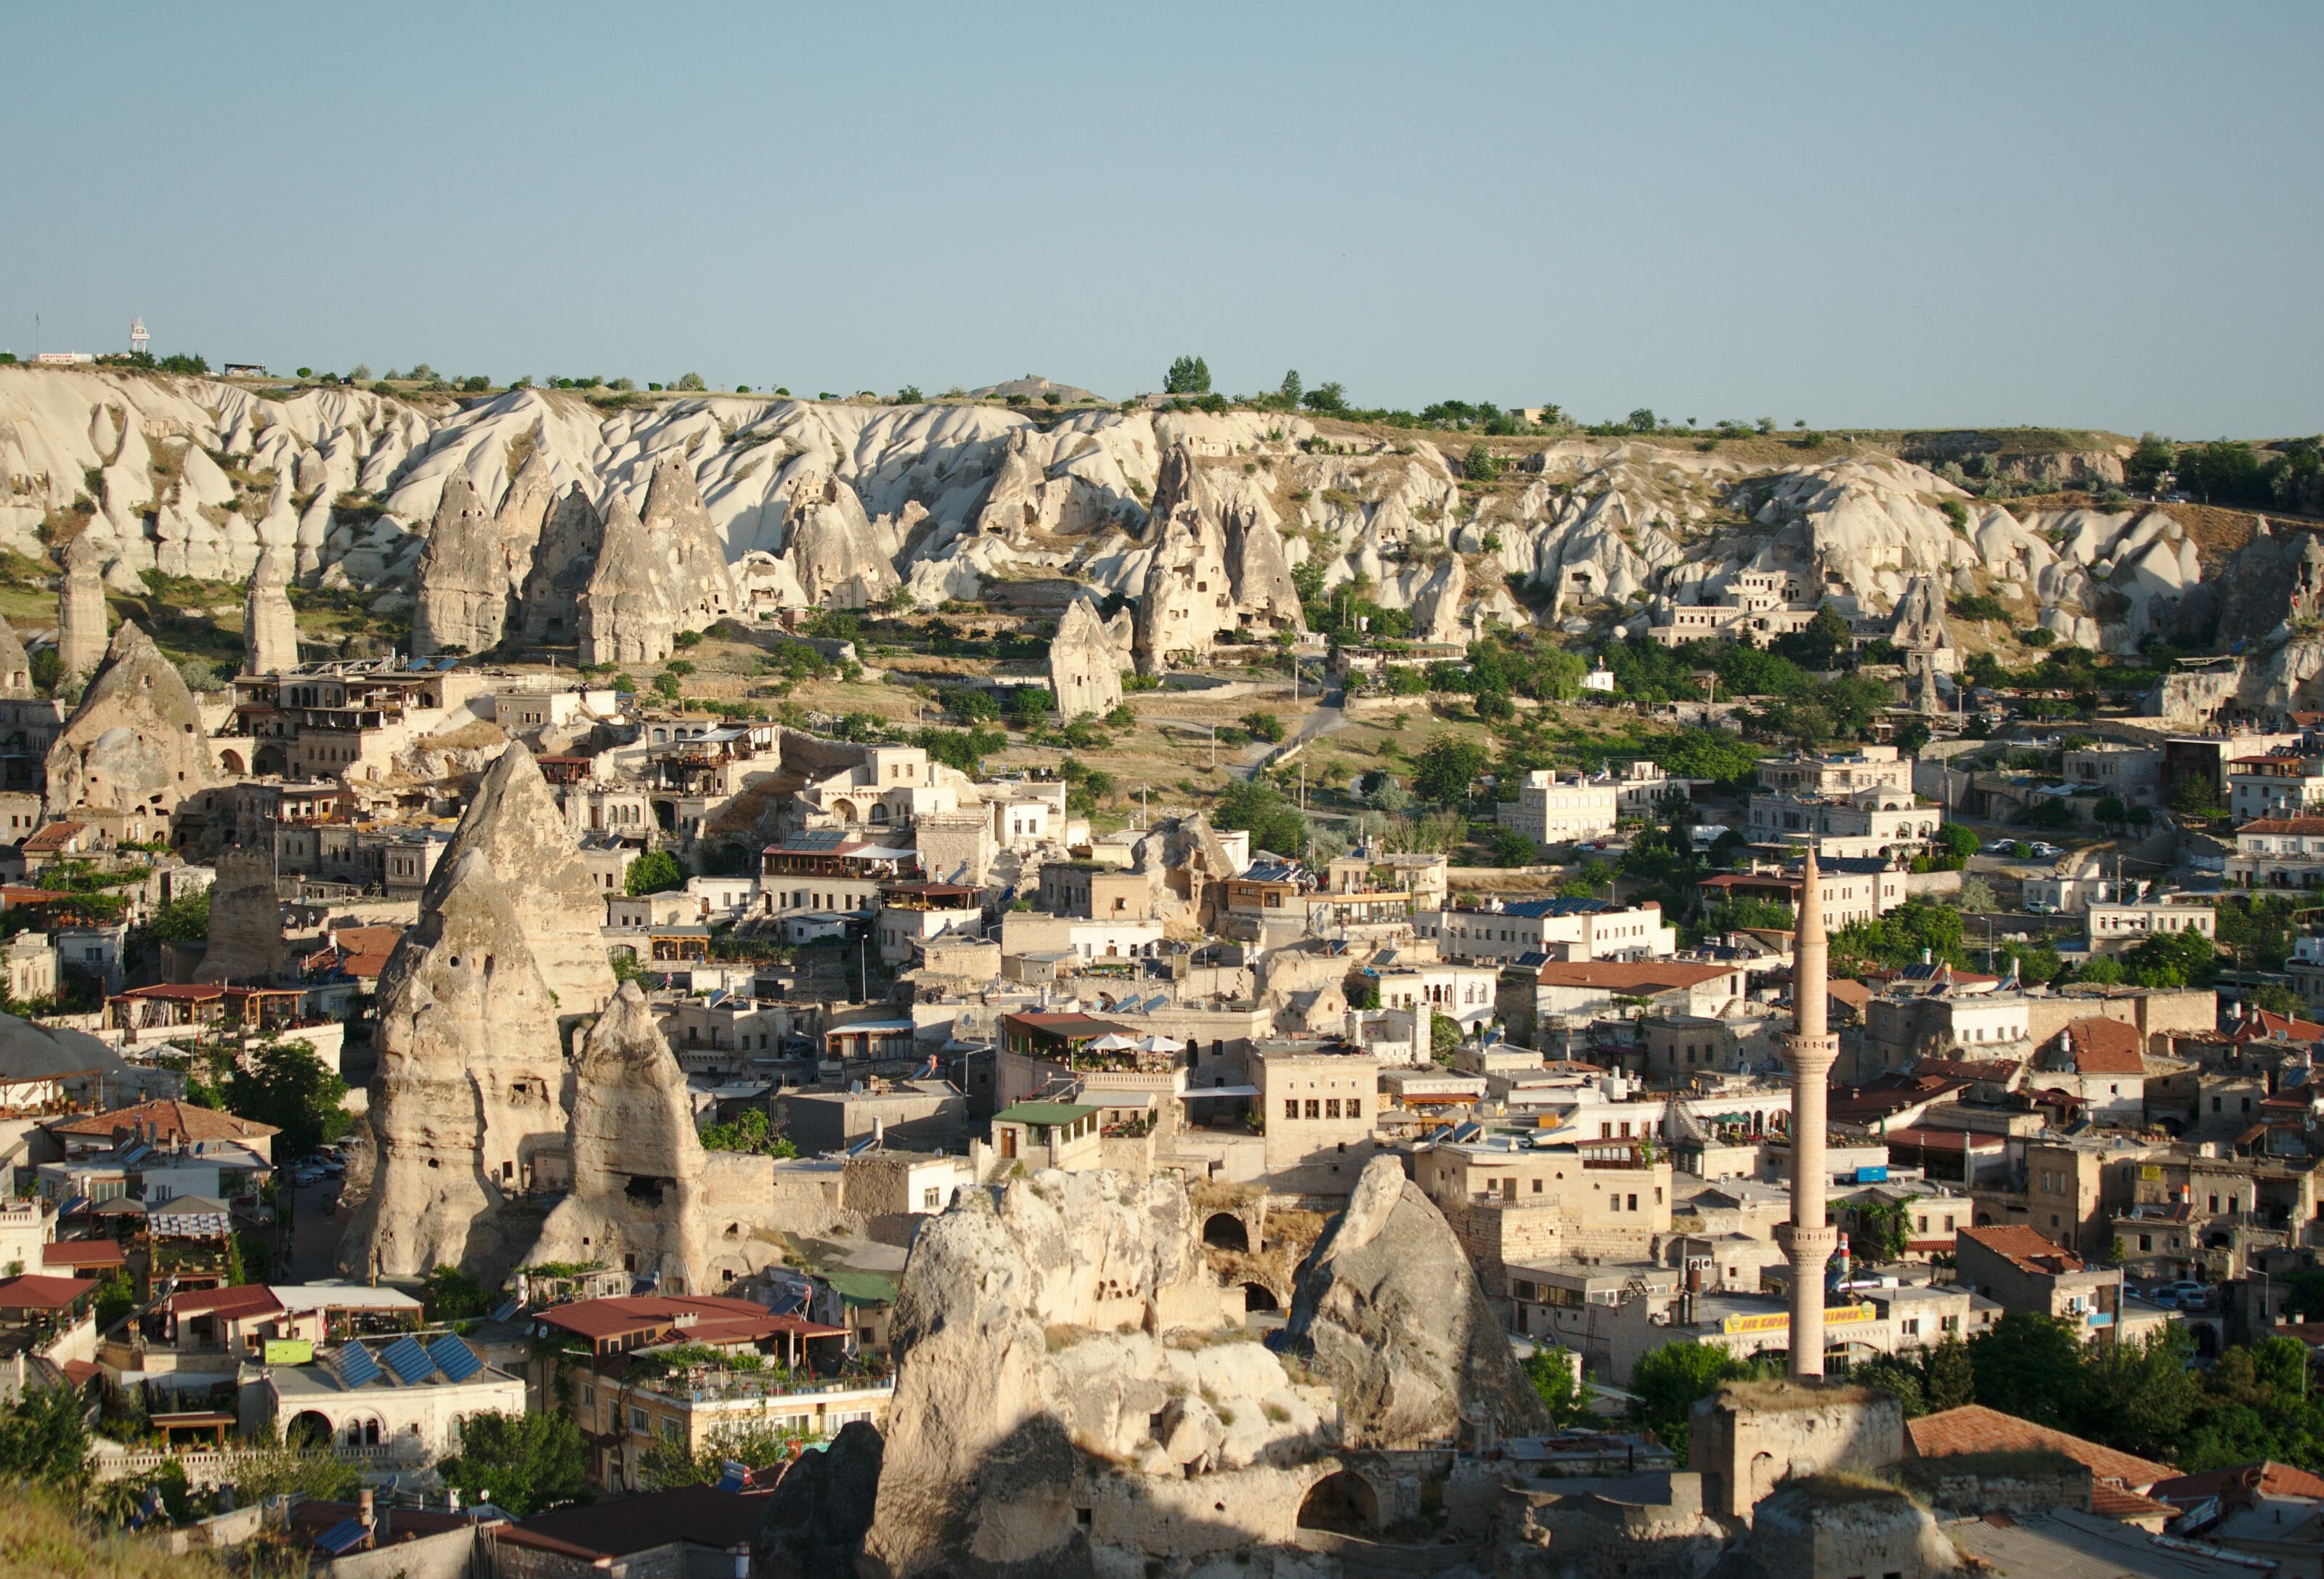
point(2186, 1294)
point(2047, 851)
point(2039, 908)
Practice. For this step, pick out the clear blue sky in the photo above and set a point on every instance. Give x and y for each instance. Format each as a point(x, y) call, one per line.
point(1857, 214)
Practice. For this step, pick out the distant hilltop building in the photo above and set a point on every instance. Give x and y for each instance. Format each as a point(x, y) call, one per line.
point(64, 358)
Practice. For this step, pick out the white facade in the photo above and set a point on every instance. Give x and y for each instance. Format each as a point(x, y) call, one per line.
point(2116, 927)
point(2130, 773)
point(1568, 929)
point(1550, 810)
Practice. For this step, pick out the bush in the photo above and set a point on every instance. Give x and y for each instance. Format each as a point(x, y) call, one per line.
point(1264, 726)
point(1187, 375)
point(655, 871)
point(1512, 848)
point(1479, 466)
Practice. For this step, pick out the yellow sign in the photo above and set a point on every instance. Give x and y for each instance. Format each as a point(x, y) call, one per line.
point(1781, 1321)
point(2150, 1172)
point(290, 1351)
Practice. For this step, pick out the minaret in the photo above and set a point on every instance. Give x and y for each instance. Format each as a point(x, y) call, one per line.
point(1808, 1240)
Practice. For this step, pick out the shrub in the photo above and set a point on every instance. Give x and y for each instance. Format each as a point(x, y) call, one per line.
point(1264, 726)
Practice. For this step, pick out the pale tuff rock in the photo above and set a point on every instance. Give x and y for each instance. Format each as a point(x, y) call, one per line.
point(2277, 576)
point(627, 615)
point(702, 589)
point(1392, 1310)
point(1084, 671)
point(1263, 588)
point(1185, 600)
point(136, 742)
point(523, 510)
point(1436, 612)
point(462, 593)
point(832, 549)
point(993, 1427)
point(16, 664)
point(563, 561)
point(1920, 624)
point(80, 608)
point(517, 826)
point(269, 626)
point(467, 1106)
point(246, 937)
point(637, 1158)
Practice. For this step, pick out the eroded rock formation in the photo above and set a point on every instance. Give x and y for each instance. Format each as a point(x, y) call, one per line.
point(135, 744)
point(831, 549)
point(1397, 1320)
point(269, 625)
point(246, 937)
point(627, 614)
point(1084, 672)
point(80, 607)
point(563, 561)
point(637, 1160)
point(1186, 599)
point(462, 601)
point(523, 511)
point(16, 664)
point(701, 588)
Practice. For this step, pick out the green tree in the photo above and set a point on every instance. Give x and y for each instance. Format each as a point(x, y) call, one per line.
point(285, 1085)
point(1187, 375)
point(2197, 797)
point(759, 1445)
point(1444, 1035)
point(522, 1463)
point(1883, 1227)
point(1962, 842)
point(453, 1295)
point(2028, 1364)
point(1479, 466)
point(1446, 767)
point(655, 871)
point(689, 382)
point(2171, 959)
point(184, 920)
point(2139, 1397)
point(1264, 726)
point(1666, 1382)
point(1512, 848)
point(2153, 457)
point(44, 1437)
point(1325, 400)
point(1275, 823)
point(1559, 1384)
point(1289, 389)
point(1949, 1377)
point(2110, 812)
point(1896, 1376)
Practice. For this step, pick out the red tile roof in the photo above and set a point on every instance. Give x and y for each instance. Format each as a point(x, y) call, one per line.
point(1643, 977)
point(37, 1291)
point(2311, 826)
point(235, 1303)
point(2104, 1047)
point(2023, 1248)
point(2291, 1026)
point(170, 1120)
point(715, 1318)
point(1974, 1429)
point(83, 1252)
point(55, 836)
point(2115, 1502)
point(2242, 1482)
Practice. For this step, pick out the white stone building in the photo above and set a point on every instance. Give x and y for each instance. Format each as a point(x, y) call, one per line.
point(1551, 810)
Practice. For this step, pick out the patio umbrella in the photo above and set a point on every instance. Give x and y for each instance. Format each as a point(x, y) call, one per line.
point(1112, 1042)
point(1160, 1044)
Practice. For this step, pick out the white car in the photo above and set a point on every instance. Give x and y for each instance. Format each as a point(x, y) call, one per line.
point(2046, 852)
point(2039, 908)
point(2186, 1294)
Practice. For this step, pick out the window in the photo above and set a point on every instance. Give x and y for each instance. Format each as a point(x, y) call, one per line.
point(637, 1419)
point(1315, 1108)
point(1634, 1203)
point(1355, 1107)
point(1291, 1108)
point(1536, 1187)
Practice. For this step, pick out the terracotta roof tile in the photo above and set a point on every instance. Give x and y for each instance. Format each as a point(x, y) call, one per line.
point(171, 1120)
point(1974, 1429)
point(1644, 977)
point(2266, 1477)
point(36, 1291)
point(2113, 1502)
point(2016, 1242)
point(2099, 1046)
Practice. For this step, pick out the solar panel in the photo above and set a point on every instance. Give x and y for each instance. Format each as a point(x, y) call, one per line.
point(357, 1366)
point(342, 1537)
point(453, 1358)
point(408, 1359)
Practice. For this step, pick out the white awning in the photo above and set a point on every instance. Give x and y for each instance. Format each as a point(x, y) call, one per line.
point(1193, 1092)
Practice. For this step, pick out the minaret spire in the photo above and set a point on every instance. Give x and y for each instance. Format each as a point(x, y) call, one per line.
point(1808, 1239)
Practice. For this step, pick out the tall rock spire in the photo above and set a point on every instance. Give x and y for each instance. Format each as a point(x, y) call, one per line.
point(269, 625)
point(80, 608)
point(1808, 1239)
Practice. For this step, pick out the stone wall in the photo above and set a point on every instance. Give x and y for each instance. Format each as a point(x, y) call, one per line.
point(1750, 1436)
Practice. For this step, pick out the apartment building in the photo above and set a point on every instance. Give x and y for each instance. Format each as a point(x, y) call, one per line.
point(1553, 810)
point(2115, 928)
point(1558, 928)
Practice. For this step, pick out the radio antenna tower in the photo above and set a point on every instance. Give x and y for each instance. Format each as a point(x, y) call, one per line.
point(138, 339)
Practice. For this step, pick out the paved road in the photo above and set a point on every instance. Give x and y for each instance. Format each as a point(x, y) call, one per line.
point(315, 1234)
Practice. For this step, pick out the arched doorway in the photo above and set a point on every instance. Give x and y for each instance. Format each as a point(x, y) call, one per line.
point(1260, 1296)
point(270, 760)
point(231, 760)
point(1224, 1231)
point(308, 1429)
point(1342, 1502)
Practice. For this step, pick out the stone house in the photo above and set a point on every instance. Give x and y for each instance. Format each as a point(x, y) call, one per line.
point(1319, 1108)
point(1596, 1198)
point(2017, 1266)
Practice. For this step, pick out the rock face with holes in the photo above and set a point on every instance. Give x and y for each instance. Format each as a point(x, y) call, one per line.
point(16, 664)
point(628, 614)
point(468, 1106)
point(1395, 1318)
point(636, 1200)
point(563, 559)
point(702, 588)
point(80, 607)
point(1084, 670)
point(269, 625)
point(135, 744)
point(245, 935)
point(462, 603)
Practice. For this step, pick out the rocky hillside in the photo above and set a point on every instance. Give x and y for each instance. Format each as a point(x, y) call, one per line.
point(816, 500)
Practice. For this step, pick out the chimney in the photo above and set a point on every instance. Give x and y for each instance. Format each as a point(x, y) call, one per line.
point(365, 1513)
